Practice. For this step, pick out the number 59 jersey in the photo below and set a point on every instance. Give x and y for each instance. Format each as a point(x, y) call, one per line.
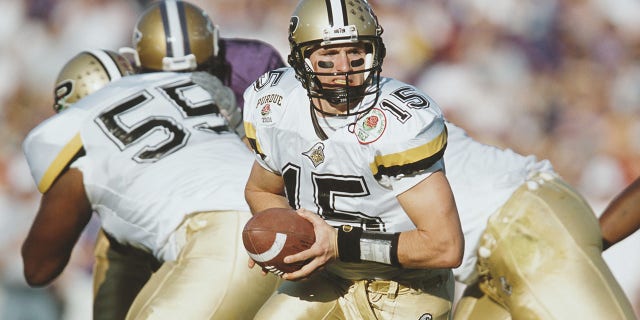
point(353, 176)
point(152, 148)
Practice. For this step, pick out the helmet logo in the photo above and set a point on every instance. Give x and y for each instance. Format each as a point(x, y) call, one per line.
point(293, 24)
point(62, 92)
point(316, 154)
point(371, 127)
point(426, 316)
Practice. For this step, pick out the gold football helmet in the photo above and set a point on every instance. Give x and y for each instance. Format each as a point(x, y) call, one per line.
point(174, 35)
point(87, 72)
point(317, 23)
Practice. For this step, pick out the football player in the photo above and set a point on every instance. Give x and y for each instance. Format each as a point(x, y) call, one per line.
point(532, 244)
point(360, 156)
point(174, 36)
point(154, 157)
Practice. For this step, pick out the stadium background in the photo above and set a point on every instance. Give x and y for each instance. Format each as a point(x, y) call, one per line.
point(556, 78)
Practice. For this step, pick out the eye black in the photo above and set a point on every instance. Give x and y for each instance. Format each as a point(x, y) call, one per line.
point(357, 63)
point(325, 64)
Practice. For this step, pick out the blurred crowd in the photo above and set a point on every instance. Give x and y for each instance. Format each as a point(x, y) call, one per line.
point(559, 79)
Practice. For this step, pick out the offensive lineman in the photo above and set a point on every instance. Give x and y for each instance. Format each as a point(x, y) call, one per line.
point(533, 244)
point(120, 270)
point(343, 161)
point(154, 157)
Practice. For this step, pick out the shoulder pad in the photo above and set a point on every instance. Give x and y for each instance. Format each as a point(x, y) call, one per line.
point(51, 146)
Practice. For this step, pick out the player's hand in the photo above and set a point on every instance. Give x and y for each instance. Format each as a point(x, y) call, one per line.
point(324, 250)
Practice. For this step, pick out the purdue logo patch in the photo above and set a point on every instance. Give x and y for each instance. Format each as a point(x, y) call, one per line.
point(371, 126)
point(269, 107)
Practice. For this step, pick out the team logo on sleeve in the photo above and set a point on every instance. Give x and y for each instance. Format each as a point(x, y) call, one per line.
point(268, 105)
point(371, 126)
point(316, 154)
point(265, 113)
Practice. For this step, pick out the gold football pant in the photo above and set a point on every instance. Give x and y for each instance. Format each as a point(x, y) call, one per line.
point(209, 279)
point(541, 258)
point(325, 296)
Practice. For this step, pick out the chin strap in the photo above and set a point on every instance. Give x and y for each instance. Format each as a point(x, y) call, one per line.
point(316, 126)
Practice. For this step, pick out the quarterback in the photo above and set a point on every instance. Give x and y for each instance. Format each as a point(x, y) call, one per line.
point(360, 156)
point(532, 244)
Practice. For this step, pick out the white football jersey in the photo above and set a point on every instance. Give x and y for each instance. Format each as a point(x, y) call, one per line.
point(482, 178)
point(152, 148)
point(354, 176)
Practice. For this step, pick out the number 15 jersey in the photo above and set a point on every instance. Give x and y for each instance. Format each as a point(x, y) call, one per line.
point(353, 176)
point(152, 148)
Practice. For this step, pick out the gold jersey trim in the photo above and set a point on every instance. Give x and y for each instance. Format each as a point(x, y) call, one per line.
point(412, 160)
point(67, 153)
point(250, 133)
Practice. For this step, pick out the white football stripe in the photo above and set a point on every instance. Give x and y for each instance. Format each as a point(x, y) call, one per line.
point(275, 249)
point(107, 62)
point(336, 13)
point(176, 41)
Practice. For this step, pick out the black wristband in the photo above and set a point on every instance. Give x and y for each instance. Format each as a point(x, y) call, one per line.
point(393, 252)
point(380, 247)
point(349, 243)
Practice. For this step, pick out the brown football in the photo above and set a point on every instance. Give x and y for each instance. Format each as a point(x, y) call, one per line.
point(275, 233)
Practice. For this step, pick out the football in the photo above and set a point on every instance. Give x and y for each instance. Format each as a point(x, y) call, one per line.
point(275, 233)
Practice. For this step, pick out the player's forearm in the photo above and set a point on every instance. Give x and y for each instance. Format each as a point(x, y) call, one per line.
point(40, 268)
point(437, 241)
point(261, 200)
point(420, 249)
point(415, 249)
point(264, 190)
point(622, 217)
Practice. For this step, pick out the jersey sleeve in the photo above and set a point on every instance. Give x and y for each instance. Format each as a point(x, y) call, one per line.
point(52, 146)
point(265, 104)
point(251, 118)
point(249, 121)
point(413, 146)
